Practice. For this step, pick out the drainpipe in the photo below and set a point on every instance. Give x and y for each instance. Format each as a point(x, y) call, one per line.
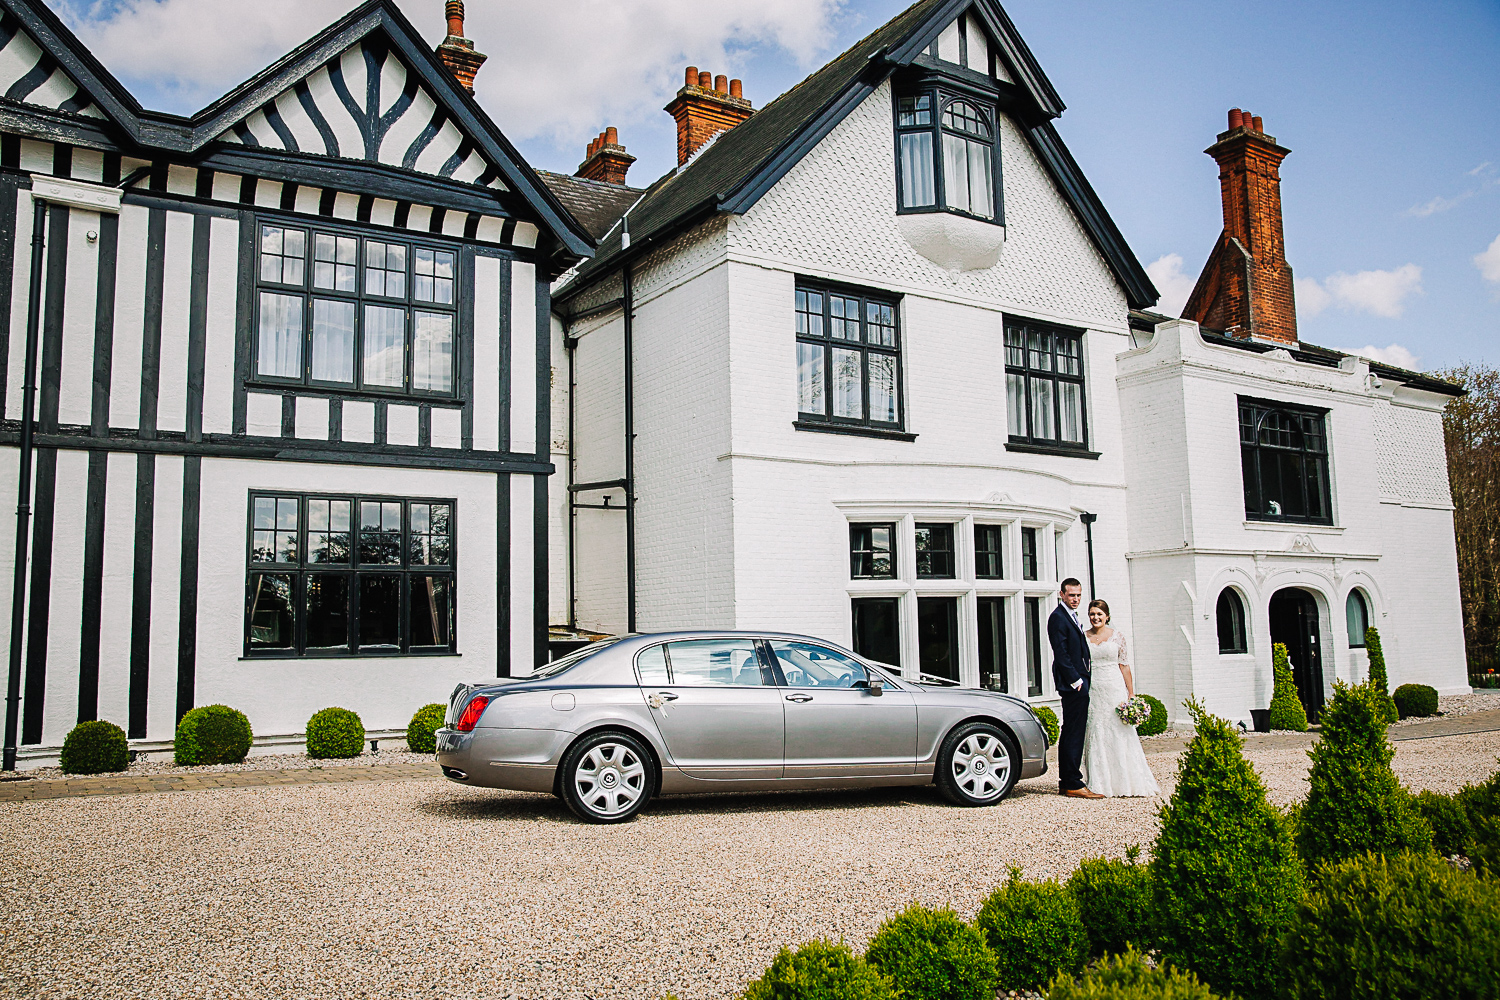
point(1088, 531)
point(629, 305)
point(23, 491)
point(569, 347)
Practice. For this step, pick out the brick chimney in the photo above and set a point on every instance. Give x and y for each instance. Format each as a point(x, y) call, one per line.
point(606, 160)
point(704, 107)
point(457, 52)
point(1246, 286)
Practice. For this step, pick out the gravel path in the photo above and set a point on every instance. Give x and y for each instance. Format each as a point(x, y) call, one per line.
point(418, 889)
point(264, 762)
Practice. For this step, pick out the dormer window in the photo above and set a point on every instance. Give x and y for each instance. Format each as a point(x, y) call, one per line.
point(946, 160)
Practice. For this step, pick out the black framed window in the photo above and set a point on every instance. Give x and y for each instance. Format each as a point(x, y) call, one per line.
point(1044, 385)
point(993, 668)
point(935, 551)
point(1284, 460)
point(872, 551)
point(349, 575)
point(989, 559)
point(1357, 616)
point(343, 310)
point(937, 636)
point(848, 358)
point(947, 149)
point(1029, 567)
point(1231, 615)
point(877, 628)
point(1034, 632)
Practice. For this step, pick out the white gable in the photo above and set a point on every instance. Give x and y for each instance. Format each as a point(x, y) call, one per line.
point(30, 75)
point(367, 105)
point(964, 42)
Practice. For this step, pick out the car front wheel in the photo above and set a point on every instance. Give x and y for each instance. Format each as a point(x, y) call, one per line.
point(978, 765)
point(607, 777)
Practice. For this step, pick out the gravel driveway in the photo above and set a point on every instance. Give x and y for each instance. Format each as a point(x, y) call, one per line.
point(424, 889)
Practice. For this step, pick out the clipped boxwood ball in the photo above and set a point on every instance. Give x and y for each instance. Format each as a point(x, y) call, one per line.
point(211, 734)
point(96, 747)
point(335, 734)
point(1416, 701)
point(419, 732)
point(1157, 723)
point(1049, 722)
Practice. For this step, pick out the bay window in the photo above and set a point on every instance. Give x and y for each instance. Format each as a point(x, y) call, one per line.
point(947, 153)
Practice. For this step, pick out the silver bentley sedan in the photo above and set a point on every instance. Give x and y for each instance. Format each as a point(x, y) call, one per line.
point(617, 722)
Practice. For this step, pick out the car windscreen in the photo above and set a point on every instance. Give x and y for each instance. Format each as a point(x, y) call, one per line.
point(574, 658)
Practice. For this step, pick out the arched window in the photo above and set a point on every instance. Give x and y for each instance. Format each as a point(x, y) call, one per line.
point(1357, 612)
point(1232, 622)
point(947, 155)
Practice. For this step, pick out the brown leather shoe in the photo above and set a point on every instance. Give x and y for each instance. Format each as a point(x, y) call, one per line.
point(1082, 793)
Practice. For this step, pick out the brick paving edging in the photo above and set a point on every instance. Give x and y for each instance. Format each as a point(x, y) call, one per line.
point(59, 788)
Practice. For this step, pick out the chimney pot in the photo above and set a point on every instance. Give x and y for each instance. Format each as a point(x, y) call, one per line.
point(705, 80)
point(457, 52)
point(612, 136)
point(1258, 126)
point(1235, 119)
point(736, 89)
point(606, 160)
point(721, 83)
point(690, 79)
point(456, 18)
point(705, 108)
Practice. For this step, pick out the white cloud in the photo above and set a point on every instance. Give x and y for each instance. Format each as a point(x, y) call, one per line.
point(1167, 275)
point(562, 69)
point(1379, 293)
point(1488, 262)
point(1395, 355)
point(1439, 204)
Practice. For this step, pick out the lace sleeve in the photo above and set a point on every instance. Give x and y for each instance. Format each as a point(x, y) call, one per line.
point(1124, 649)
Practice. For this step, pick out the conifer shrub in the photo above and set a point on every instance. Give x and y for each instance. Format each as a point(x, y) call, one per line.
point(1158, 721)
point(1035, 931)
point(335, 734)
point(1354, 803)
point(95, 747)
point(419, 732)
point(820, 970)
point(211, 734)
point(933, 955)
point(1225, 875)
point(1127, 976)
point(1406, 925)
point(1415, 701)
point(1448, 818)
point(1378, 675)
point(1114, 900)
point(1286, 707)
point(1048, 719)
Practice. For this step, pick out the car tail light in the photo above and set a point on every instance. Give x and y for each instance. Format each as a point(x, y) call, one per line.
point(472, 711)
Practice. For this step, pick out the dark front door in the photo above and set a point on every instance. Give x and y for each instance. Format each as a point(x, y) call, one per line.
point(1294, 623)
point(937, 636)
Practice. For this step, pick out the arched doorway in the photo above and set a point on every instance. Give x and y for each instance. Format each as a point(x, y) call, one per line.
point(1294, 623)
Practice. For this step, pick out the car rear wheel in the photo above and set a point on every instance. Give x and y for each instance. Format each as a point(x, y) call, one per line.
point(978, 765)
point(607, 777)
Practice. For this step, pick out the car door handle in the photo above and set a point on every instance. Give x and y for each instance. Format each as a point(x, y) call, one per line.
point(799, 697)
point(667, 696)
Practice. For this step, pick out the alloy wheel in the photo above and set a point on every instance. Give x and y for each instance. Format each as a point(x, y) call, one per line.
point(981, 766)
point(610, 779)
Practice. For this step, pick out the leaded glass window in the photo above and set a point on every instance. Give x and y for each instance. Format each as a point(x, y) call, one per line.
point(848, 358)
point(1044, 385)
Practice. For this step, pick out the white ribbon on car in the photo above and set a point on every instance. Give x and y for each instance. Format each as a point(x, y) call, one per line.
point(659, 703)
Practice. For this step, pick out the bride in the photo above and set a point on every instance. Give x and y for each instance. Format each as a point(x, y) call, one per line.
point(1112, 755)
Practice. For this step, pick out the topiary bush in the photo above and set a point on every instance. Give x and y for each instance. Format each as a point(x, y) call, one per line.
point(335, 734)
point(1128, 977)
point(1408, 925)
point(95, 747)
point(1448, 818)
point(1048, 719)
point(933, 955)
point(1114, 899)
point(211, 734)
point(1354, 803)
point(820, 970)
point(1378, 676)
point(1158, 721)
point(1225, 876)
point(419, 732)
point(1415, 701)
point(1286, 707)
point(1035, 931)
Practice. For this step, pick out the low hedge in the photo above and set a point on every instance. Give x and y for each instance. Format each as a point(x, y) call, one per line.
point(1114, 900)
point(211, 734)
point(820, 970)
point(1049, 722)
point(1128, 977)
point(419, 732)
point(95, 747)
point(933, 955)
point(335, 734)
point(1415, 701)
point(1035, 930)
point(1157, 723)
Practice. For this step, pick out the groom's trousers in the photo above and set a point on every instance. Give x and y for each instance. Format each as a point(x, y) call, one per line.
point(1075, 712)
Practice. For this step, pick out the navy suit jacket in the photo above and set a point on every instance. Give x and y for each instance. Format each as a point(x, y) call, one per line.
point(1070, 653)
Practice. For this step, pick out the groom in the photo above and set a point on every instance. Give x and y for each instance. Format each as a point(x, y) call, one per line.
point(1070, 672)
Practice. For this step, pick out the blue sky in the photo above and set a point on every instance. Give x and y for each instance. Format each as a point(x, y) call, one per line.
point(1391, 193)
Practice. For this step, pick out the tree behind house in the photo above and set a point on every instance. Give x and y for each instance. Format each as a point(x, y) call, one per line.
point(1471, 435)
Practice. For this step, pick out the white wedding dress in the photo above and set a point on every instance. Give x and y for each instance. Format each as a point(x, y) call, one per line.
point(1113, 761)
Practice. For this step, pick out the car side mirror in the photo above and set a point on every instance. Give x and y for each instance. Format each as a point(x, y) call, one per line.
point(877, 686)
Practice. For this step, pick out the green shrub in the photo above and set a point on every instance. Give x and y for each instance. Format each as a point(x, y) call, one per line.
point(1448, 818)
point(1415, 701)
point(1158, 721)
point(1481, 804)
point(1048, 719)
point(1378, 672)
point(1035, 930)
point(820, 970)
point(1286, 707)
point(1354, 803)
point(334, 734)
point(1485, 680)
point(96, 747)
point(1225, 875)
point(1409, 925)
point(1128, 977)
point(211, 734)
point(933, 955)
point(1114, 899)
point(419, 732)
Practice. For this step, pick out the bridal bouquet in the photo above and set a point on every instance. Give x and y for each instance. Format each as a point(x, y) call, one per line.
point(1134, 712)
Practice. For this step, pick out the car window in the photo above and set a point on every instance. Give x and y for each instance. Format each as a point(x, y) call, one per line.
point(806, 664)
point(714, 662)
point(652, 665)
